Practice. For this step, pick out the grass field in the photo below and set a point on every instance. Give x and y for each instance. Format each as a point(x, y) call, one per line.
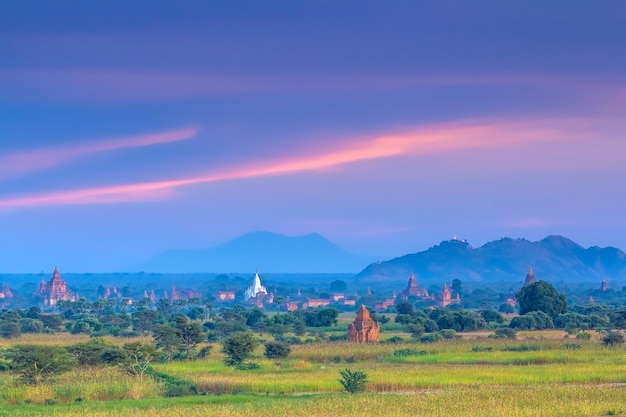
point(540, 374)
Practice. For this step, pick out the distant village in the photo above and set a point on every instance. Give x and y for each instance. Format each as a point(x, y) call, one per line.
point(51, 292)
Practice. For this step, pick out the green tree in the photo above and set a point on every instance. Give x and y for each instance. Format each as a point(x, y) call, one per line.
point(144, 319)
point(37, 363)
point(613, 338)
point(491, 316)
point(190, 334)
point(138, 357)
point(457, 287)
point(167, 339)
point(239, 347)
point(277, 351)
point(353, 381)
point(541, 296)
point(338, 286)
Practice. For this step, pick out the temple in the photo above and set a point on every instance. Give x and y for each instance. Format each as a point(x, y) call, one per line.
point(363, 329)
point(604, 286)
point(530, 277)
point(5, 291)
point(54, 290)
point(445, 298)
point(256, 293)
point(412, 290)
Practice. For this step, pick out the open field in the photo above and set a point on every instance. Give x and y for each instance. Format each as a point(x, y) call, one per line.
point(540, 374)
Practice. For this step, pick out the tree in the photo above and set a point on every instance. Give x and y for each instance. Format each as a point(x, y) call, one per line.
point(541, 296)
point(404, 307)
point(144, 319)
point(239, 347)
point(338, 286)
point(506, 308)
point(457, 287)
point(37, 363)
point(138, 357)
point(353, 381)
point(190, 334)
point(277, 351)
point(166, 338)
point(491, 316)
point(613, 339)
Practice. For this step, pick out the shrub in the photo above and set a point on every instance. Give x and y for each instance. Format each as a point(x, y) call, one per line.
point(572, 346)
point(482, 348)
point(277, 350)
point(205, 352)
point(431, 338)
point(448, 333)
point(613, 338)
point(506, 333)
point(36, 363)
point(353, 381)
point(395, 340)
point(408, 352)
point(583, 336)
point(522, 348)
point(239, 347)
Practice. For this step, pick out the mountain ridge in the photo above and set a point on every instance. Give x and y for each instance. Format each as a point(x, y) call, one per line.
point(260, 250)
point(554, 258)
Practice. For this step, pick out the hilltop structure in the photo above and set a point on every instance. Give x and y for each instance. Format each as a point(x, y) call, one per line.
point(530, 277)
point(363, 329)
point(54, 290)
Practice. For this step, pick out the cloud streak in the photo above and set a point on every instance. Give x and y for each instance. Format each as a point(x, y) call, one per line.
point(22, 163)
point(122, 86)
point(425, 140)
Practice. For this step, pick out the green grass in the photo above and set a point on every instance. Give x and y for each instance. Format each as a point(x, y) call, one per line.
point(538, 375)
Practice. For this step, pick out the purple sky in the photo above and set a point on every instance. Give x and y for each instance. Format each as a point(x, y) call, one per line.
point(131, 127)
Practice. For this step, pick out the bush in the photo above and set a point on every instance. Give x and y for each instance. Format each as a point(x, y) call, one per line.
point(408, 352)
point(583, 336)
point(431, 338)
point(248, 366)
point(613, 339)
point(504, 334)
point(36, 363)
point(238, 348)
point(205, 352)
point(395, 340)
point(448, 333)
point(277, 350)
point(482, 348)
point(522, 348)
point(353, 381)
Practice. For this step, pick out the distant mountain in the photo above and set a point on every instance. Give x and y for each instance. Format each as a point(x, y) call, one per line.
point(554, 258)
point(263, 251)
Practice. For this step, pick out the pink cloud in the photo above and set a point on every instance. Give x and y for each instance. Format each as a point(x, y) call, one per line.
point(431, 139)
point(32, 161)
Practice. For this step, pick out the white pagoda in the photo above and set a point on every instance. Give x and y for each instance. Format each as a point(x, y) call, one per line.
point(255, 289)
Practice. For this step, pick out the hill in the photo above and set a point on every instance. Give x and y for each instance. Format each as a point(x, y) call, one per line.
point(263, 251)
point(554, 258)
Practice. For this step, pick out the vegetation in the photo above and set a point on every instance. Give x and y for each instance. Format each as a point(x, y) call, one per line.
point(238, 348)
point(541, 296)
point(111, 359)
point(353, 381)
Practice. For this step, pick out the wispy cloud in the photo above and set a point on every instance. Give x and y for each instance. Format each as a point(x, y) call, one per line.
point(120, 85)
point(425, 140)
point(32, 161)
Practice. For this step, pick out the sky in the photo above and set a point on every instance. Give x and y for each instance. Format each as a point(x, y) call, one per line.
point(128, 128)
